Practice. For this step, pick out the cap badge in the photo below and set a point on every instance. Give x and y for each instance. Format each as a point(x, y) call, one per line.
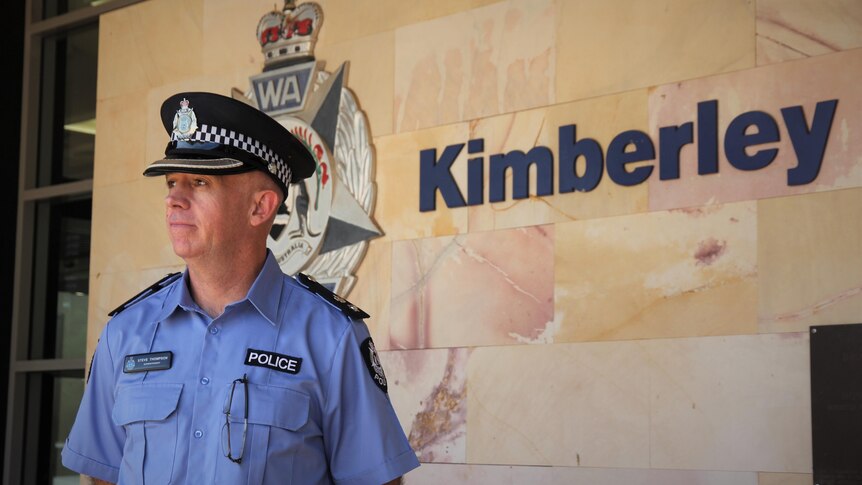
point(185, 121)
point(272, 167)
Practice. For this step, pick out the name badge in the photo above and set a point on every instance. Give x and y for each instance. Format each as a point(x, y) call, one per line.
point(148, 362)
point(273, 360)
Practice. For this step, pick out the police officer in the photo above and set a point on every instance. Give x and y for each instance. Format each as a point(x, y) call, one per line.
point(233, 372)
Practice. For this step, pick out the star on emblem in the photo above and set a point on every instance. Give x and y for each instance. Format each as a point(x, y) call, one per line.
point(322, 228)
point(348, 221)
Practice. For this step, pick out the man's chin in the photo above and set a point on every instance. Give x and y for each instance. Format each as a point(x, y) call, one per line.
point(185, 251)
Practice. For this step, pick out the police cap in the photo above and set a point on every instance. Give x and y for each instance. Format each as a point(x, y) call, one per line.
point(218, 135)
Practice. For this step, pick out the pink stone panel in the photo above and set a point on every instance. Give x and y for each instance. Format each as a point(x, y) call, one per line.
point(769, 89)
point(489, 288)
point(480, 62)
point(793, 29)
point(428, 389)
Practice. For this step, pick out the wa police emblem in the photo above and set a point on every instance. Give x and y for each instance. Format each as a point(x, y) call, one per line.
point(325, 224)
point(185, 122)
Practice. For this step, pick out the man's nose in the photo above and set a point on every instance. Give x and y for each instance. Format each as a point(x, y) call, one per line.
point(176, 198)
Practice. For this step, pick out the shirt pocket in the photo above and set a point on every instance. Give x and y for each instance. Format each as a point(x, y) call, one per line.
point(147, 411)
point(277, 429)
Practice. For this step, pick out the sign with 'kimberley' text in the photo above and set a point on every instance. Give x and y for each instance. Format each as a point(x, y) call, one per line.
point(741, 140)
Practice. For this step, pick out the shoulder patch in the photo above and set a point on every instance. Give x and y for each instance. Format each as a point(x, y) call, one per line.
point(338, 302)
point(372, 361)
point(152, 289)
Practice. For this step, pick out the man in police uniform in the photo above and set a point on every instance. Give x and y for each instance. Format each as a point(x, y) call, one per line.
point(233, 372)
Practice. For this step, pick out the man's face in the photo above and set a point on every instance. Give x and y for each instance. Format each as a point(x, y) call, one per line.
point(206, 215)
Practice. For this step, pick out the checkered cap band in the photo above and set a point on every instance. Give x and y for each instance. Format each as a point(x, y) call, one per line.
point(214, 134)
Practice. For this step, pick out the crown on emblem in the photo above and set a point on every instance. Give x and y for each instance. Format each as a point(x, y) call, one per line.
point(289, 34)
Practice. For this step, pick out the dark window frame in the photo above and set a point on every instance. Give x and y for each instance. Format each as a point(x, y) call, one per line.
point(18, 449)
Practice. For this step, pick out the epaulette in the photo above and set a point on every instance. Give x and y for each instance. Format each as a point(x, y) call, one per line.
point(155, 287)
point(347, 308)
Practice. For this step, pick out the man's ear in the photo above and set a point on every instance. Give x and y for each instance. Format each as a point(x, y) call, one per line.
point(266, 204)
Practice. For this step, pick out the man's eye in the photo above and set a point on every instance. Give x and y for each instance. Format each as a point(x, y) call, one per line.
point(200, 182)
point(171, 184)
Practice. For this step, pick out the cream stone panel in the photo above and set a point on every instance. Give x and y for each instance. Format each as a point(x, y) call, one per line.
point(397, 211)
point(128, 228)
point(601, 119)
point(721, 403)
point(563, 404)
point(232, 50)
point(482, 62)
point(110, 290)
point(794, 29)
point(345, 20)
point(809, 260)
point(738, 403)
point(121, 128)
point(784, 478)
point(428, 389)
point(771, 88)
point(611, 46)
point(435, 474)
point(371, 291)
point(149, 44)
point(370, 76)
point(486, 288)
point(664, 274)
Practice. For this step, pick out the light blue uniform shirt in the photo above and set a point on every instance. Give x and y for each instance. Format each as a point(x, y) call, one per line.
point(328, 422)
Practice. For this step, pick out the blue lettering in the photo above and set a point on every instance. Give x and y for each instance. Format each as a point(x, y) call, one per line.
point(436, 175)
point(736, 140)
point(707, 137)
point(618, 157)
point(809, 145)
point(671, 139)
point(570, 151)
point(520, 163)
point(747, 130)
point(475, 173)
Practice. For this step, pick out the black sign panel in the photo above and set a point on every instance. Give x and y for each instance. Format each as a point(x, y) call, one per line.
point(836, 404)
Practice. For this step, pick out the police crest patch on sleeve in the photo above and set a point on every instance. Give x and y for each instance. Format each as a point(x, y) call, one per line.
point(372, 361)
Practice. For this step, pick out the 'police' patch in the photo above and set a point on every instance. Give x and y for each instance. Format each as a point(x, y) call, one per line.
point(372, 361)
point(148, 362)
point(273, 360)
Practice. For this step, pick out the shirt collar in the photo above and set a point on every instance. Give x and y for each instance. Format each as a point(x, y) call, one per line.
point(264, 294)
point(178, 296)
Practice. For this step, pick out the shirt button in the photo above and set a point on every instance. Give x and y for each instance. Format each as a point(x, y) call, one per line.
point(213, 330)
point(198, 433)
point(205, 380)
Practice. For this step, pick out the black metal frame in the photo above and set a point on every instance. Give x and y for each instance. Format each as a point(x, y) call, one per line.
point(18, 449)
